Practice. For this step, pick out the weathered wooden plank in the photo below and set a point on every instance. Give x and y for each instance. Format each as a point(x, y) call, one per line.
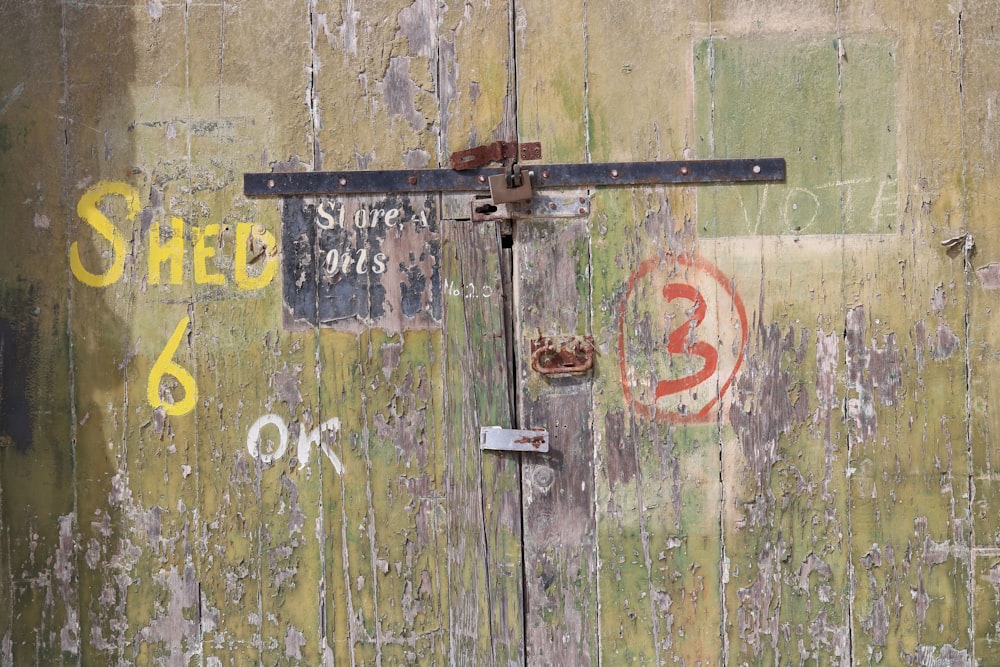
point(909, 468)
point(154, 446)
point(658, 498)
point(474, 48)
point(377, 79)
point(258, 513)
point(99, 152)
point(403, 413)
point(552, 287)
point(785, 525)
point(977, 50)
point(39, 620)
point(484, 495)
point(483, 500)
point(551, 73)
point(906, 319)
point(552, 300)
point(340, 370)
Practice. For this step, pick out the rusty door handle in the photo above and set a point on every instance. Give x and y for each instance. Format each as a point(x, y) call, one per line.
point(562, 355)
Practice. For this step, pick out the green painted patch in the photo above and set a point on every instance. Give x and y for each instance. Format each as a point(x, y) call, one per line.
point(826, 106)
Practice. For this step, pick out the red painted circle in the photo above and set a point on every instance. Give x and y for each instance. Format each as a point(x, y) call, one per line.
point(677, 290)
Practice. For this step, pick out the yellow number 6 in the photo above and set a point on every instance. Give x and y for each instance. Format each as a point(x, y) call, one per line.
point(165, 365)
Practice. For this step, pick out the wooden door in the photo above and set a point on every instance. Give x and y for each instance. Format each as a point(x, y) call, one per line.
point(245, 431)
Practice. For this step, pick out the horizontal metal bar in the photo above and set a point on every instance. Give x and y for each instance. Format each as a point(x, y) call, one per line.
point(683, 172)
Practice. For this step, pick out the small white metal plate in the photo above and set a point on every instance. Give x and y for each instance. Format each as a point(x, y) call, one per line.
point(514, 440)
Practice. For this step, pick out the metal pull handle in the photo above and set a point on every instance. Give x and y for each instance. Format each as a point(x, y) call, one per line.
point(564, 356)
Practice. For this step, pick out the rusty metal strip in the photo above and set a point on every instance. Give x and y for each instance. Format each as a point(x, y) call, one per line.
point(686, 172)
point(498, 151)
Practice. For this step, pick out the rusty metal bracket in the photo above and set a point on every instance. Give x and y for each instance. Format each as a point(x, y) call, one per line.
point(514, 440)
point(498, 151)
point(564, 176)
point(562, 356)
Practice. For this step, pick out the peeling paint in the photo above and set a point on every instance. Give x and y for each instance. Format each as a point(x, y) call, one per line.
point(154, 8)
point(989, 275)
point(417, 23)
point(873, 374)
point(399, 92)
point(768, 400)
point(286, 384)
point(176, 628)
point(940, 656)
point(65, 573)
point(945, 342)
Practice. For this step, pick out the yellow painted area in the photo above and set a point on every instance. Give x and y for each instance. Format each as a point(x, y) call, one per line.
point(172, 251)
point(163, 366)
point(255, 247)
point(88, 210)
point(204, 251)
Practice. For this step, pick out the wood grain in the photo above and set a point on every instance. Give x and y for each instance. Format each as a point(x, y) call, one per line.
point(783, 453)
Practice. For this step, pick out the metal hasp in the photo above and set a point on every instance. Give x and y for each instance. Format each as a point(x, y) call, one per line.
point(622, 174)
point(514, 440)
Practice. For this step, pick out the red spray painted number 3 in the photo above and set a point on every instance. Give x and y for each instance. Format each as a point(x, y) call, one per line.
point(677, 342)
point(654, 381)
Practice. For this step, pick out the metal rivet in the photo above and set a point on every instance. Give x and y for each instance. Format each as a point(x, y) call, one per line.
point(270, 183)
point(342, 181)
point(583, 200)
point(545, 174)
point(528, 211)
point(583, 210)
point(684, 170)
point(756, 169)
point(614, 173)
point(413, 180)
point(552, 206)
point(482, 179)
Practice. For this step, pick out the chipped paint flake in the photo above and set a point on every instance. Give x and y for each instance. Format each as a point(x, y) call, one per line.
point(989, 275)
point(400, 92)
point(417, 23)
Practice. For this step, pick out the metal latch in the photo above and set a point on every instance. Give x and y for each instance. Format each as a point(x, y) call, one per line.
point(514, 440)
point(498, 151)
